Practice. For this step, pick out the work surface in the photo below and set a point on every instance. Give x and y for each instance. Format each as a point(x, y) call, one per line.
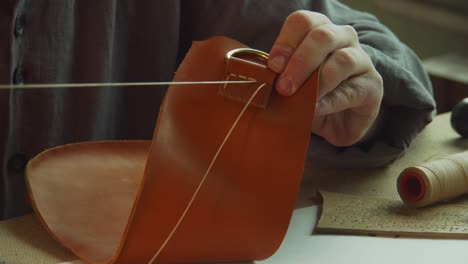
point(23, 240)
point(299, 247)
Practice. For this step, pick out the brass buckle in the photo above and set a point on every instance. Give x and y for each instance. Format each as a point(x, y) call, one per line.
point(258, 53)
point(246, 69)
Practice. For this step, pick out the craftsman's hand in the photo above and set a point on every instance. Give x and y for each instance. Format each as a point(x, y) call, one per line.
point(350, 89)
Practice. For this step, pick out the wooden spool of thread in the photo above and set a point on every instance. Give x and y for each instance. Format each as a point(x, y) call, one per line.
point(434, 181)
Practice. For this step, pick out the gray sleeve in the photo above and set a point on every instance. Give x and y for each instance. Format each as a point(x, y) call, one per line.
point(407, 104)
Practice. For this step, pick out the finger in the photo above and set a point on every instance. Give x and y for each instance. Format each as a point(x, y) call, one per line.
point(319, 43)
point(340, 66)
point(343, 129)
point(357, 92)
point(295, 28)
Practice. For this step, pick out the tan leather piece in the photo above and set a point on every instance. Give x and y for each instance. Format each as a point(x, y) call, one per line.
point(116, 202)
point(83, 193)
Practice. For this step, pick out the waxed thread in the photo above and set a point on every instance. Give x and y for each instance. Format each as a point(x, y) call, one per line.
point(433, 173)
point(238, 76)
point(121, 84)
point(460, 165)
point(445, 177)
point(434, 156)
point(187, 208)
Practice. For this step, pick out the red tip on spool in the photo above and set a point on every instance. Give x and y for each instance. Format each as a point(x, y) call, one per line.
point(412, 187)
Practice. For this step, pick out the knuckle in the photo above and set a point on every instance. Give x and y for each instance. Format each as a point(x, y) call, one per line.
point(378, 79)
point(348, 94)
point(346, 58)
point(351, 94)
point(322, 35)
point(319, 17)
point(378, 87)
point(299, 19)
point(374, 84)
point(358, 92)
point(334, 99)
point(304, 18)
point(351, 31)
point(358, 95)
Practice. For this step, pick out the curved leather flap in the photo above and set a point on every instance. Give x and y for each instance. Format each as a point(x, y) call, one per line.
point(141, 189)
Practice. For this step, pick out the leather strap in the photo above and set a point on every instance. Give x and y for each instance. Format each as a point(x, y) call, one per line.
point(243, 210)
point(243, 69)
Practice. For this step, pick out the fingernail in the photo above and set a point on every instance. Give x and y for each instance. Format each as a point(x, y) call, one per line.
point(285, 86)
point(278, 63)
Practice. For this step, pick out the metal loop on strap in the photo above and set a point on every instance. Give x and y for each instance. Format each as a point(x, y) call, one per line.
point(258, 53)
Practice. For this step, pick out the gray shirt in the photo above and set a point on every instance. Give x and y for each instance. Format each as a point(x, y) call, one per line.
point(56, 41)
